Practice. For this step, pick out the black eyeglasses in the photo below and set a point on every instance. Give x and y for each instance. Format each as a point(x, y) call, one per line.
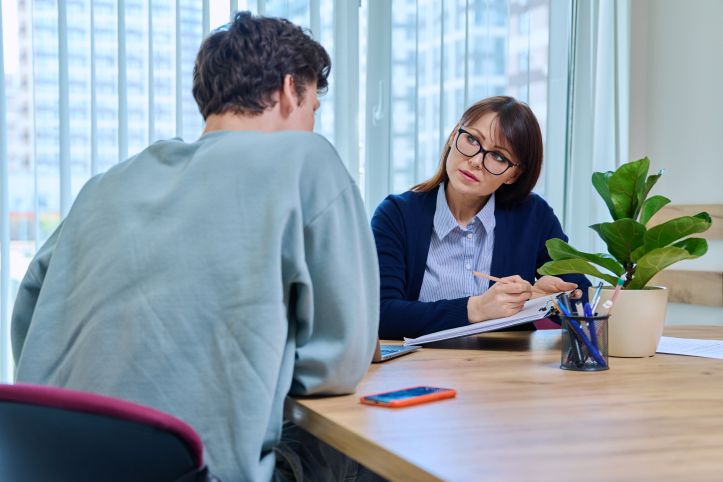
point(469, 146)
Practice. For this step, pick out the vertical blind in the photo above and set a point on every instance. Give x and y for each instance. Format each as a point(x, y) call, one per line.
point(444, 56)
point(86, 83)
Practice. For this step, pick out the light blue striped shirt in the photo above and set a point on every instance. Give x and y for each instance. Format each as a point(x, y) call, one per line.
point(454, 253)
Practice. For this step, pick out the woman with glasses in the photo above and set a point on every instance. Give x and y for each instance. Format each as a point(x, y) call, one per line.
point(476, 214)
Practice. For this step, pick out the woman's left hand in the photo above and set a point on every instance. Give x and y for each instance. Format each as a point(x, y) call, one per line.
point(548, 285)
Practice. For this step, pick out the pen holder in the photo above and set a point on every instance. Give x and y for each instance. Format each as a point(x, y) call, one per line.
point(584, 343)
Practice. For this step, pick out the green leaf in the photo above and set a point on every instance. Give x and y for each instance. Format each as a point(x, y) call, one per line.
point(649, 183)
point(566, 266)
point(560, 250)
point(652, 179)
point(625, 186)
point(600, 182)
point(659, 259)
point(675, 229)
point(622, 238)
point(651, 206)
point(638, 253)
point(697, 247)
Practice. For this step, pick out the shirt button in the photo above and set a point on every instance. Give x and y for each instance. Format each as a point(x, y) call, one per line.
point(467, 266)
point(469, 235)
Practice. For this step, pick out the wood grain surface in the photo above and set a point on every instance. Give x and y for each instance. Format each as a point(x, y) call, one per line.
point(518, 416)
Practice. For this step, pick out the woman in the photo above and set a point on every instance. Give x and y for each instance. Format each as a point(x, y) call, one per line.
point(477, 213)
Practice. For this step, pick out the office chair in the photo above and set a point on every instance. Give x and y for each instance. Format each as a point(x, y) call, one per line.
point(546, 324)
point(50, 434)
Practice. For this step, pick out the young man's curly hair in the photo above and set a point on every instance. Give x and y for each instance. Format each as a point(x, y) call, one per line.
point(240, 66)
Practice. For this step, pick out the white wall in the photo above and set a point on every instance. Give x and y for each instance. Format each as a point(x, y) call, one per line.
point(677, 95)
point(676, 103)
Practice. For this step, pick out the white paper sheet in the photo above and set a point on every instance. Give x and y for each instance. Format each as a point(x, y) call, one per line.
point(691, 347)
point(533, 310)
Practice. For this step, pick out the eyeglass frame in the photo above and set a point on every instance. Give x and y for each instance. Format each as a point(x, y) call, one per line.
point(484, 152)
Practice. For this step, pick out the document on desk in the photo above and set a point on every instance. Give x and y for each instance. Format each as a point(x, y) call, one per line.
point(533, 310)
point(691, 347)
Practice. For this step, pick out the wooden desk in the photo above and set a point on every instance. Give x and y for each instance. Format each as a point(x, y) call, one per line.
point(517, 416)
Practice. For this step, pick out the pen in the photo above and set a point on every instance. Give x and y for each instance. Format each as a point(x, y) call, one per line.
point(581, 336)
point(591, 349)
point(575, 352)
point(487, 276)
point(618, 286)
point(560, 308)
point(596, 297)
point(565, 301)
point(591, 325)
point(582, 314)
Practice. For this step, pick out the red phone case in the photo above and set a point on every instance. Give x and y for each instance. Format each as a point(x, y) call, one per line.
point(413, 400)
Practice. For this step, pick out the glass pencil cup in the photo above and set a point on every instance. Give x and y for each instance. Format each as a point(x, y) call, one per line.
point(584, 343)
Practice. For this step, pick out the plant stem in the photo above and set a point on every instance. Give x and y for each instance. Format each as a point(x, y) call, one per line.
point(629, 272)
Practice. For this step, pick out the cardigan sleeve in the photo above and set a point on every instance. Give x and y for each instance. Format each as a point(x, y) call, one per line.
point(554, 230)
point(400, 316)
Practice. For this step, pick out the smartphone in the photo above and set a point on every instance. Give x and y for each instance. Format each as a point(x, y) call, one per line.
point(408, 396)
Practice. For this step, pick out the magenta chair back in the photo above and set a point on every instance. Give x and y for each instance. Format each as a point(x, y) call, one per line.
point(53, 434)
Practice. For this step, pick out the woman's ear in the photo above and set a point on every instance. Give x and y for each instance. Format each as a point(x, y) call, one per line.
point(515, 176)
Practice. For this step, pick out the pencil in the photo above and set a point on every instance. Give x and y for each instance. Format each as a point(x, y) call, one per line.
point(487, 276)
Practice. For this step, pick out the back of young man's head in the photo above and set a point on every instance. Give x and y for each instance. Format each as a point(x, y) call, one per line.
point(241, 66)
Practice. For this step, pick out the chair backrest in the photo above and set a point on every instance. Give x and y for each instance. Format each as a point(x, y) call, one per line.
point(55, 435)
point(546, 324)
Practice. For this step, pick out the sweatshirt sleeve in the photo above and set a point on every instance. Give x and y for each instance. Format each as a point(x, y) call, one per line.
point(335, 349)
point(400, 317)
point(28, 294)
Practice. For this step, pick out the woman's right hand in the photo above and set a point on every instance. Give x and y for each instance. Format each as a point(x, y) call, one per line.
point(504, 298)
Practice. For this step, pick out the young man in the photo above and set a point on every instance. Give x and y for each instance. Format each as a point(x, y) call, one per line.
point(211, 279)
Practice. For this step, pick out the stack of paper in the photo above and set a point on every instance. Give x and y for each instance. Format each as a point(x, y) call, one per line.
point(533, 310)
point(691, 347)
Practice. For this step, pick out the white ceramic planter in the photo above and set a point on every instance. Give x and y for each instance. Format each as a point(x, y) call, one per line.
point(636, 320)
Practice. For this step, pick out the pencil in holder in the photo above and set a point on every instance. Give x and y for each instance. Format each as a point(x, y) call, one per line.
point(584, 343)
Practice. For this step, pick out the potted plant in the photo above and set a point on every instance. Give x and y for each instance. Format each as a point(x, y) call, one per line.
point(635, 250)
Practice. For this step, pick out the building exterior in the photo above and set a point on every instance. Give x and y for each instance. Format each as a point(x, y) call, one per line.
point(95, 139)
point(448, 54)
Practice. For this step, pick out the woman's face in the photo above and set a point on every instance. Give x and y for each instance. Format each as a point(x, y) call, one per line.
point(467, 175)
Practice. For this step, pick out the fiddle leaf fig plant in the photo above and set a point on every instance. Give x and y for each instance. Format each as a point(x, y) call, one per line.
point(634, 249)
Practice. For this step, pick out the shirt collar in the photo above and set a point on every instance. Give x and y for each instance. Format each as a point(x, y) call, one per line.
point(486, 215)
point(444, 222)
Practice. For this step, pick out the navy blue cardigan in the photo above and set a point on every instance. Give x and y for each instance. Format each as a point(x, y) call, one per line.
point(402, 226)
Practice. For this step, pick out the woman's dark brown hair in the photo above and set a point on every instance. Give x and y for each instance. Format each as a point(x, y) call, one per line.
point(242, 65)
point(518, 130)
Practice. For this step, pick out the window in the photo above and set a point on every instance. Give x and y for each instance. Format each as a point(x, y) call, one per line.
point(447, 55)
point(401, 80)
